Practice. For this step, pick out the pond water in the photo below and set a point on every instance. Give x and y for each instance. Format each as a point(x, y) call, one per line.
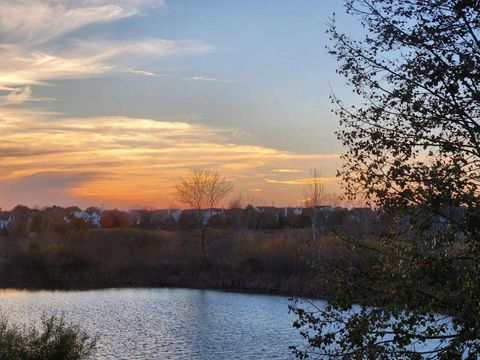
point(166, 323)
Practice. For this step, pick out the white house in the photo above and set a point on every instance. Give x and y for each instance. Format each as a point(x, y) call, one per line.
point(175, 214)
point(210, 214)
point(298, 211)
point(93, 219)
point(5, 223)
point(82, 215)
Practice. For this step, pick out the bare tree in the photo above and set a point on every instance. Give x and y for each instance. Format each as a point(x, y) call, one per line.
point(314, 195)
point(203, 190)
point(333, 200)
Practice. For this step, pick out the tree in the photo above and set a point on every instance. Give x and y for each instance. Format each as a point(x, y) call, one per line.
point(413, 152)
point(203, 191)
point(115, 219)
point(235, 211)
point(314, 195)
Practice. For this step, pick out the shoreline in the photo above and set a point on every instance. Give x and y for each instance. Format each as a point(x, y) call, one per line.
point(113, 286)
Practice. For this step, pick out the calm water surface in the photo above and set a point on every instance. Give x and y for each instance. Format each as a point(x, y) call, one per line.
point(167, 323)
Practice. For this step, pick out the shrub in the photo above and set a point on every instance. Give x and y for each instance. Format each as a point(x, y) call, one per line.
point(56, 340)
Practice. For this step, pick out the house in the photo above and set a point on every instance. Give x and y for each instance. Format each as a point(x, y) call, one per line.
point(5, 221)
point(211, 213)
point(175, 214)
point(82, 215)
point(93, 219)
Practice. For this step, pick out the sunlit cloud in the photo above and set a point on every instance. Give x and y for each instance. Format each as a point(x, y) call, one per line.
point(303, 181)
point(20, 95)
point(286, 171)
point(22, 67)
point(119, 161)
point(50, 158)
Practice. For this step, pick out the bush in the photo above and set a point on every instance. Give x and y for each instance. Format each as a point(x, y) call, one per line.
point(56, 340)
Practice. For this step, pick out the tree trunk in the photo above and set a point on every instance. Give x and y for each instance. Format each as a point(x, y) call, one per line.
point(204, 245)
point(314, 225)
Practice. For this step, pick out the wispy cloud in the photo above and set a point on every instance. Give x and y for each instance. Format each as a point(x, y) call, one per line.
point(33, 22)
point(286, 171)
point(211, 79)
point(303, 181)
point(19, 95)
point(21, 67)
point(31, 55)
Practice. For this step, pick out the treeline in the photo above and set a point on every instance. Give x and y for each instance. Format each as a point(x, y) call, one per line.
point(23, 221)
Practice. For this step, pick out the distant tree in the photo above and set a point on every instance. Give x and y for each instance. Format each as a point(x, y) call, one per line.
point(93, 209)
point(235, 211)
point(270, 221)
point(203, 191)
point(314, 195)
point(250, 218)
point(412, 150)
point(115, 219)
point(188, 220)
point(20, 216)
point(39, 222)
point(333, 200)
point(58, 224)
point(77, 224)
point(107, 221)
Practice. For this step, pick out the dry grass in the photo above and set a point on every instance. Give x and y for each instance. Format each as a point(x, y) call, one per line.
point(263, 261)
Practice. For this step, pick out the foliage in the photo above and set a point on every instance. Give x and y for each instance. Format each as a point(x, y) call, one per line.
point(412, 150)
point(56, 340)
point(115, 218)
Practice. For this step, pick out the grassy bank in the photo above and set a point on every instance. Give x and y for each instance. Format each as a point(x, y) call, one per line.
point(257, 261)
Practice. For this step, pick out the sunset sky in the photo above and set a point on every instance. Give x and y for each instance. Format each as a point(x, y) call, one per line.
point(108, 103)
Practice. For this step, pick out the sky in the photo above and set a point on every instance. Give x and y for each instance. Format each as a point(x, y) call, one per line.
point(109, 103)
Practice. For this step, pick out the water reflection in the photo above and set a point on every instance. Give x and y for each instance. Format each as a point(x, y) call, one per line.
point(167, 323)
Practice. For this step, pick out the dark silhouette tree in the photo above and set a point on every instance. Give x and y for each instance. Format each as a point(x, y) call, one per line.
point(412, 151)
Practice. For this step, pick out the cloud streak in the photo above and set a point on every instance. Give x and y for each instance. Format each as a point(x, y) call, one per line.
point(32, 22)
point(210, 79)
point(22, 67)
point(121, 161)
point(30, 31)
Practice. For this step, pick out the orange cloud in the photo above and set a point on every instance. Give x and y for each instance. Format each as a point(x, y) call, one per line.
point(121, 161)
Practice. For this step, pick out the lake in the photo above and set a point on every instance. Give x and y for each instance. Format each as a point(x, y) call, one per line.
point(166, 323)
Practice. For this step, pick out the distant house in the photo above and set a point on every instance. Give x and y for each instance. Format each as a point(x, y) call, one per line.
point(290, 211)
point(136, 217)
point(210, 214)
point(82, 215)
point(175, 214)
point(5, 221)
point(95, 219)
point(92, 219)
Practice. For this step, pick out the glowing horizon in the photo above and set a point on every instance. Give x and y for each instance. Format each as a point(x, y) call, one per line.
point(108, 103)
